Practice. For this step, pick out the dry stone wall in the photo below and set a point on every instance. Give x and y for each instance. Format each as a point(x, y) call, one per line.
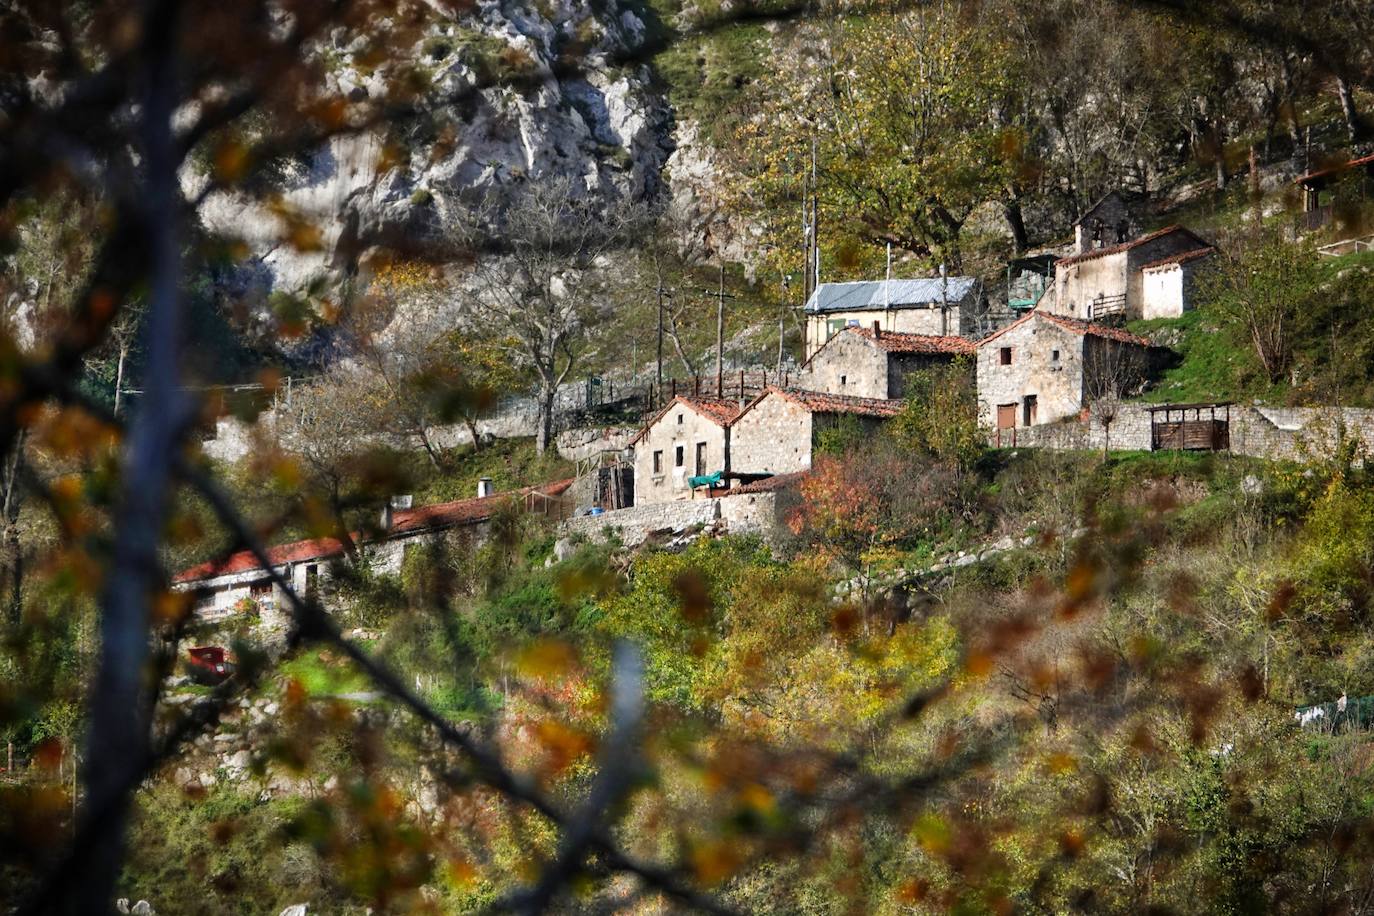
point(1273, 433)
point(752, 513)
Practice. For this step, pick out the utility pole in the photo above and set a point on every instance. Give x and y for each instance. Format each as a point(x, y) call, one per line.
point(815, 219)
point(782, 315)
point(944, 301)
point(720, 334)
point(659, 289)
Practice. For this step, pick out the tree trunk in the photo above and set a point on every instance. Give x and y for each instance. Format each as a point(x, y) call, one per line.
point(471, 423)
point(119, 377)
point(1016, 220)
point(430, 450)
point(13, 544)
point(543, 433)
point(1354, 124)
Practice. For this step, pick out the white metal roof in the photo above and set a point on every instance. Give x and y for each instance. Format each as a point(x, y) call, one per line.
point(863, 295)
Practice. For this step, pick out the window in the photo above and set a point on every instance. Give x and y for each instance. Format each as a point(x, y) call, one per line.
point(679, 419)
point(1054, 356)
point(833, 327)
point(1028, 411)
point(658, 462)
point(842, 381)
point(1004, 356)
point(678, 457)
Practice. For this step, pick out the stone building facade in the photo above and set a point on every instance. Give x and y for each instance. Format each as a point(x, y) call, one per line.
point(935, 307)
point(690, 437)
point(1111, 281)
point(872, 363)
point(777, 433)
point(1040, 369)
point(1107, 222)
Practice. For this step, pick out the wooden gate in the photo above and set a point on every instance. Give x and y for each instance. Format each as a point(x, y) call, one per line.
point(1182, 426)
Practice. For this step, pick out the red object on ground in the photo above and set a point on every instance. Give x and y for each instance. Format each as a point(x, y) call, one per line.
point(209, 663)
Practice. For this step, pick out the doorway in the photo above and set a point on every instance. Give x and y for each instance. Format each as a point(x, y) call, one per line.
point(1006, 424)
point(1028, 410)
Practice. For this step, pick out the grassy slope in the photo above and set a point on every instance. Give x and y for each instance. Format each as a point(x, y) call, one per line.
point(1218, 363)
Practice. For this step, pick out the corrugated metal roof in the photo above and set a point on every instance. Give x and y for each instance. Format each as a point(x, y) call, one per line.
point(898, 294)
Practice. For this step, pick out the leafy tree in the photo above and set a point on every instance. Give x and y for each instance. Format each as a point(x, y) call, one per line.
point(1263, 287)
point(940, 415)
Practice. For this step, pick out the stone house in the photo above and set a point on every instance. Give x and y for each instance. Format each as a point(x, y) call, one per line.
point(690, 437)
point(873, 363)
point(1113, 281)
point(239, 584)
point(1046, 367)
point(777, 433)
point(933, 306)
point(1107, 222)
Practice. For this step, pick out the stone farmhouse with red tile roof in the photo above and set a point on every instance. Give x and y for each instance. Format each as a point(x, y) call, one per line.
point(228, 585)
point(1045, 367)
point(689, 437)
point(873, 363)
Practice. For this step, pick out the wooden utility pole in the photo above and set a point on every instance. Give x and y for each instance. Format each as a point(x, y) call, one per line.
point(720, 334)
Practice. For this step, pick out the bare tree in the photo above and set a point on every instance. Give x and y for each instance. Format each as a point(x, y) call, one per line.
point(550, 280)
point(1112, 371)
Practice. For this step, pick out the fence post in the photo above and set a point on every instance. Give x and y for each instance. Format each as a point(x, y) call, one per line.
point(741, 384)
point(674, 387)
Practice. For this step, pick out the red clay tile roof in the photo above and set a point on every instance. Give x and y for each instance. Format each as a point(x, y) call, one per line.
point(1335, 169)
point(1127, 246)
point(465, 511)
point(403, 521)
point(245, 561)
point(720, 411)
point(768, 484)
point(819, 402)
point(902, 342)
point(1183, 258)
point(1074, 326)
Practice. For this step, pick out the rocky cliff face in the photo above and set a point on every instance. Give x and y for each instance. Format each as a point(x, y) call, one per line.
point(598, 125)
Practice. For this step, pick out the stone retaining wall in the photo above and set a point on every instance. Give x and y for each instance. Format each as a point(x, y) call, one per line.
point(751, 513)
point(1274, 433)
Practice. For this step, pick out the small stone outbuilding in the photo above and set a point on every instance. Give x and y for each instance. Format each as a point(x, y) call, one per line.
point(933, 306)
point(873, 363)
point(689, 437)
point(777, 433)
point(1046, 367)
point(1112, 281)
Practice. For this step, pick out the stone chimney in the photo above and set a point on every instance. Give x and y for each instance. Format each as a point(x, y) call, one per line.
point(484, 487)
point(389, 510)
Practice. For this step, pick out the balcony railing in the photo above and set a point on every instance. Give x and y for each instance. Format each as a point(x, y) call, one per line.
point(1103, 306)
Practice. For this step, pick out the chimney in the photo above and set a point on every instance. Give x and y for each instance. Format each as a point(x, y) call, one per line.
point(389, 510)
point(484, 487)
point(877, 330)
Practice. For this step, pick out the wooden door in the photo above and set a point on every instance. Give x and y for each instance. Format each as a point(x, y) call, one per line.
point(1006, 424)
point(701, 459)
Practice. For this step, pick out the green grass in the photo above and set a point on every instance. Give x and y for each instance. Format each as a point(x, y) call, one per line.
point(1211, 364)
point(324, 673)
point(510, 463)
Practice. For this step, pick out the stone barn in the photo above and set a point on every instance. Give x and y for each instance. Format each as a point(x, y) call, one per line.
point(777, 433)
point(690, 437)
point(873, 363)
point(1107, 222)
point(1046, 367)
point(934, 306)
point(1112, 281)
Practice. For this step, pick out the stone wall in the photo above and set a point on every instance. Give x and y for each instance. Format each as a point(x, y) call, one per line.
point(746, 513)
point(578, 444)
point(773, 437)
point(634, 525)
point(1273, 433)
